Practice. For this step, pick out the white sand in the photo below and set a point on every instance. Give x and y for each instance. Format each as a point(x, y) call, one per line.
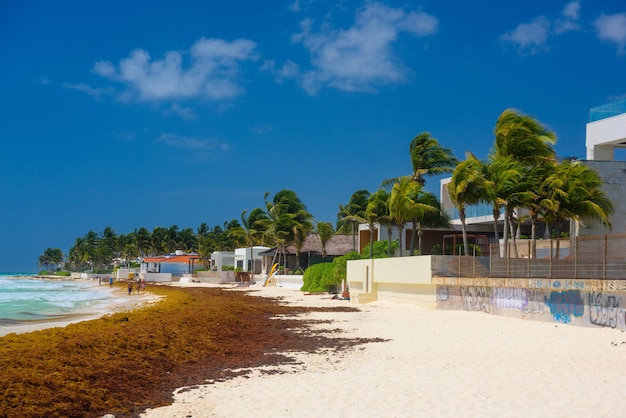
point(436, 363)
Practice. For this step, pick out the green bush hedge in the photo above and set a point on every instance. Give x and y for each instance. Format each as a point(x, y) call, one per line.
point(318, 278)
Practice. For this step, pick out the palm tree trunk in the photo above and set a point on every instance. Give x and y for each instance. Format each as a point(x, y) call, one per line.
point(400, 232)
point(464, 232)
point(505, 233)
point(513, 226)
point(413, 230)
point(353, 236)
point(496, 233)
point(419, 240)
point(533, 235)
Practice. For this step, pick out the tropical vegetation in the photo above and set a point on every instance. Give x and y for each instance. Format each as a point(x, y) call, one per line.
point(521, 175)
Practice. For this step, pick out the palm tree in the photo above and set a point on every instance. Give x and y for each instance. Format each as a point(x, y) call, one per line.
point(288, 221)
point(428, 158)
point(401, 206)
point(527, 141)
point(375, 210)
point(143, 238)
point(51, 258)
point(187, 240)
point(466, 187)
point(384, 216)
point(247, 232)
point(428, 214)
point(573, 191)
point(502, 176)
point(523, 138)
point(352, 214)
point(325, 231)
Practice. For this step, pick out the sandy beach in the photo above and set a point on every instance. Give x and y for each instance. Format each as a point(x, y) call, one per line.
point(433, 363)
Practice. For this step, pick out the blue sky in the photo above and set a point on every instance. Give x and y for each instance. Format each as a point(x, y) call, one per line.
point(144, 114)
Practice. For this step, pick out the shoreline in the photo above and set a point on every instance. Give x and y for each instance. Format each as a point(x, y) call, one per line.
point(444, 363)
point(119, 301)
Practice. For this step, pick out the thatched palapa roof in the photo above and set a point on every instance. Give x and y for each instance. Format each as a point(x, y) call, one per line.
point(337, 245)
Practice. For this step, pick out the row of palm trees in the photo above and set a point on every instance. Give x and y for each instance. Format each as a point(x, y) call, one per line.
point(285, 221)
point(403, 200)
point(522, 172)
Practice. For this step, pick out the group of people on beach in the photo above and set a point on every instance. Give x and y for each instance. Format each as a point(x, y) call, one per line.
point(139, 284)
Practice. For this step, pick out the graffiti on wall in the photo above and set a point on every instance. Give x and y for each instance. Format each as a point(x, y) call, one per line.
point(534, 302)
point(568, 306)
point(565, 303)
point(604, 310)
point(442, 293)
point(509, 297)
point(475, 298)
point(527, 301)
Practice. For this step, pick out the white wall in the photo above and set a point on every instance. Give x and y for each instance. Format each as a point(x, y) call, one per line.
point(603, 135)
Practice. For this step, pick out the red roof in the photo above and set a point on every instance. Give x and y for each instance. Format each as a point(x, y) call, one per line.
point(172, 259)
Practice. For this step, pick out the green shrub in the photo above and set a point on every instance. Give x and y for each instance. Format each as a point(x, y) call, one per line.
point(228, 268)
point(63, 273)
point(381, 249)
point(341, 265)
point(318, 277)
point(44, 273)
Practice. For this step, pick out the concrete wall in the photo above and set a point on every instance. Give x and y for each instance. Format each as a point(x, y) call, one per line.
point(157, 277)
point(581, 302)
point(397, 279)
point(589, 303)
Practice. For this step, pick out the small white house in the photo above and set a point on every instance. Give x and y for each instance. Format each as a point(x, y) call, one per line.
point(220, 259)
point(249, 259)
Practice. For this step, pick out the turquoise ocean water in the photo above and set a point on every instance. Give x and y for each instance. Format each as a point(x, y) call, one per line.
point(27, 301)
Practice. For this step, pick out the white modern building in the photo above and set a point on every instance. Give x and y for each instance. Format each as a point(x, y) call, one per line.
point(248, 259)
point(221, 259)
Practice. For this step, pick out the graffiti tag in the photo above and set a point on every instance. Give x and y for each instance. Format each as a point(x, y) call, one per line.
point(475, 298)
point(603, 310)
point(564, 304)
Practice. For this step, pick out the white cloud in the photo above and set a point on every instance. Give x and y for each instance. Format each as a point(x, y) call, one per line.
point(571, 10)
point(360, 57)
point(95, 92)
point(262, 129)
point(196, 144)
point(532, 38)
point(612, 28)
point(529, 37)
point(569, 18)
point(183, 112)
point(212, 71)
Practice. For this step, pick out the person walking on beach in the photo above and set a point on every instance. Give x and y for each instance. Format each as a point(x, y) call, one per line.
point(111, 281)
point(130, 287)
